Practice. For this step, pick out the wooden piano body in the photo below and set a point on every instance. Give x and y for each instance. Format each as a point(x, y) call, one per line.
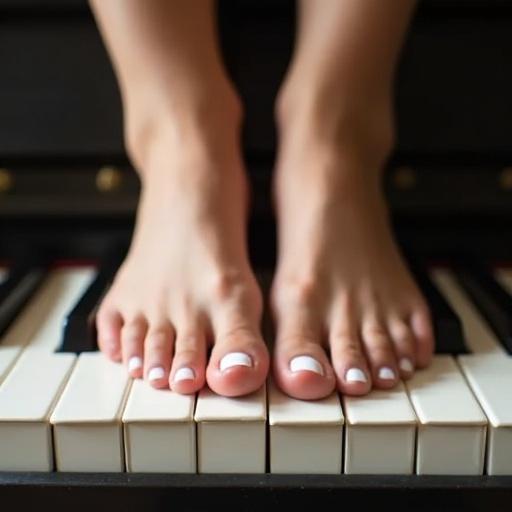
point(68, 193)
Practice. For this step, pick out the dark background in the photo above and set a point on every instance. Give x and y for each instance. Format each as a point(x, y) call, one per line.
point(61, 120)
point(58, 96)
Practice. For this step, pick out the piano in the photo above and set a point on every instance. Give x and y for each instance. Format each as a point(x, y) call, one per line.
point(76, 433)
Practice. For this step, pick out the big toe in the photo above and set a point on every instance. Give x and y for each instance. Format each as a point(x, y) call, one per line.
point(238, 364)
point(302, 370)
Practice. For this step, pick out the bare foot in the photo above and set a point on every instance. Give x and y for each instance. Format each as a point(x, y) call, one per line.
point(348, 313)
point(186, 283)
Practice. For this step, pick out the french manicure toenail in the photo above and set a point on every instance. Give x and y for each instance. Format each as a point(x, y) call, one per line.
point(355, 375)
point(306, 363)
point(184, 374)
point(235, 359)
point(156, 373)
point(406, 365)
point(134, 363)
point(386, 373)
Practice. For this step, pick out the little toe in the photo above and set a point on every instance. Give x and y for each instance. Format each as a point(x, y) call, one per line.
point(109, 323)
point(188, 367)
point(132, 345)
point(238, 363)
point(421, 325)
point(353, 376)
point(158, 347)
point(380, 353)
point(404, 346)
point(301, 368)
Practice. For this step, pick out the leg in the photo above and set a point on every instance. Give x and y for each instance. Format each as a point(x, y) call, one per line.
point(186, 282)
point(342, 294)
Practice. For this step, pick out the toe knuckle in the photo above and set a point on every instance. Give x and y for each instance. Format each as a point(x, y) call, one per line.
point(189, 341)
point(103, 314)
point(190, 354)
point(158, 340)
point(380, 353)
point(132, 330)
point(346, 346)
point(403, 339)
point(376, 334)
point(351, 353)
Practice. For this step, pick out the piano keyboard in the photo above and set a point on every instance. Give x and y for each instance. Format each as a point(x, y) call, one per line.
point(64, 412)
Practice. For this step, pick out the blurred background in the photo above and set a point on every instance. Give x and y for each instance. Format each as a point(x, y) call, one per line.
point(63, 166)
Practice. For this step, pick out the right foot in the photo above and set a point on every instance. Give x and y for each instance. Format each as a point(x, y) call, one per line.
point(186, 283)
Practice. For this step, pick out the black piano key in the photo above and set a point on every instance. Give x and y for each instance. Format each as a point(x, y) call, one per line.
point(491, 299)
point(21, 283)
point(79, 332)
point(448, 330)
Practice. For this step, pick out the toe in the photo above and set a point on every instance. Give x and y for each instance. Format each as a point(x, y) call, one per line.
point(421, 325)
point(158, 347)
point(352, 373)
point(132, 345)
point(404, 346)
point(188, 367)
point(238, 363)
point(380, 353)
point(301, 367)
point(109, 323)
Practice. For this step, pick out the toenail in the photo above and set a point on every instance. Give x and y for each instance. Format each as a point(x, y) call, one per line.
point(134, 363)
point(184, 374)
point(306, 363)
point(355, 375)
point(156, 373)
point(235, 359)
point(406, 365)
point(386, 373)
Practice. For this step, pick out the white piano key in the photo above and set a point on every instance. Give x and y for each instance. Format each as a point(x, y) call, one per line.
point(231, 432)
point(159, 430)
point(8, 356)
point(488, 372)
point(40, 323)
point(479, 336)
point(452, 427)
point(490, 376)
point(87, 419)
point(380, 433)
point(305, 436)
point(27, 397)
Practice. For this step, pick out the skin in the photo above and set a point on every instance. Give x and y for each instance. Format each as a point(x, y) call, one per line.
point(186, 296)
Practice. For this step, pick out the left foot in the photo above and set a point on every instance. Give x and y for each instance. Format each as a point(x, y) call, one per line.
point(348, 314)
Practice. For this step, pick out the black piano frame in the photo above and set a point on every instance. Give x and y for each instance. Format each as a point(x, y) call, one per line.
point(136, 491)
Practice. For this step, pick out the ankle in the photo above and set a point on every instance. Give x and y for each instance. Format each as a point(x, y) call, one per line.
point(206, 126)
point(361, 129)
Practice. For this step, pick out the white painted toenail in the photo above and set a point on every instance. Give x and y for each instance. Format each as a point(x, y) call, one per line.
point(406, 365)
point(156, 373)
point(235, 359)
point(184, 374)
point(386, 373)
point(306, 363)
point(355, 375)
point(134, 363)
